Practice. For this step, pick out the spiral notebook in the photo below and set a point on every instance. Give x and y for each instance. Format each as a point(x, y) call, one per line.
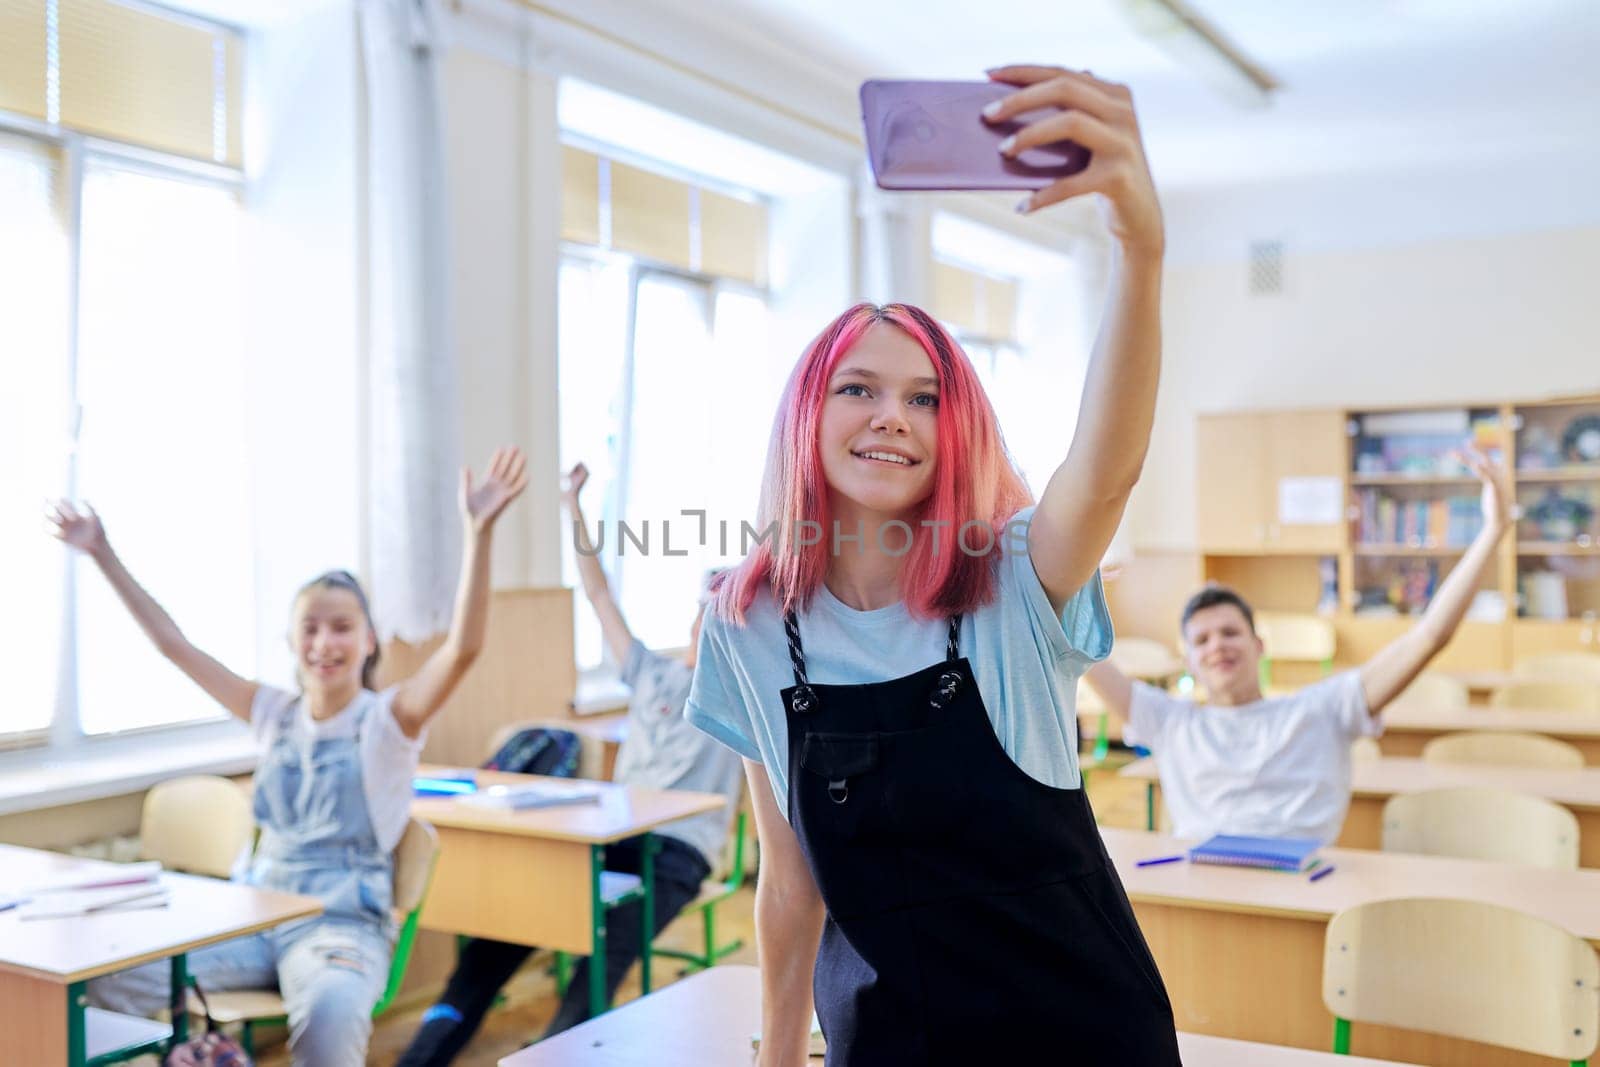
point(1275, 853)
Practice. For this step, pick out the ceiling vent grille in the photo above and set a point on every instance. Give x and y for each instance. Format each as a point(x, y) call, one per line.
point(1266, 268)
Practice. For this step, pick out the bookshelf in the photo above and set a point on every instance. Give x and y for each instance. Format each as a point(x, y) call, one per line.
point(1409, 509)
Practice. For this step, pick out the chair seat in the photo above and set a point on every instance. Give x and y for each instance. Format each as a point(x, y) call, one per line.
point(615, 886)
point(240, 1005)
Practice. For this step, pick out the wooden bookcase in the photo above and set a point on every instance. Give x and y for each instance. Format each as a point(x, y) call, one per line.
point(1267, 527)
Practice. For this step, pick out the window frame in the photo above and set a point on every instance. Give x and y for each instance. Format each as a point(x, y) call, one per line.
point(65, 735)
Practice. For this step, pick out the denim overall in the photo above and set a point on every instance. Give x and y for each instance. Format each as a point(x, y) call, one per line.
point(316, 833)
point(973, 915)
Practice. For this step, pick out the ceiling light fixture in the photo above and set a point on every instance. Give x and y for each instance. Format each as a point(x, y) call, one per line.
point(1194, 42)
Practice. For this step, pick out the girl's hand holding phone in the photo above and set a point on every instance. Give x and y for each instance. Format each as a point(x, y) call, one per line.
point(1098, 115)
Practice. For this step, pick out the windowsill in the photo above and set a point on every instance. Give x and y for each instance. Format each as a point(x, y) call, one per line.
point(114, 766)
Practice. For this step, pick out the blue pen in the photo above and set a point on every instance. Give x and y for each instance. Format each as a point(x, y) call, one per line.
point(1321, 872)
point(1158, 861)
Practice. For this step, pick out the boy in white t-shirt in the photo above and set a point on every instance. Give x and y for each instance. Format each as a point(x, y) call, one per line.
point(1280, 767)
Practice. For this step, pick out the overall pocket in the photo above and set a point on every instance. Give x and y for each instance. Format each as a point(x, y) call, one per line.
point(841, 784)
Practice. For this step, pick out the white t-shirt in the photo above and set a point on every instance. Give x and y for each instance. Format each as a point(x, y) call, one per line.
point(388, 757)
point(1279, 767)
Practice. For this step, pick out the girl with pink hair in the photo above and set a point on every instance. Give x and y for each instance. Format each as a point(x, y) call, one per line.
point(897, 662)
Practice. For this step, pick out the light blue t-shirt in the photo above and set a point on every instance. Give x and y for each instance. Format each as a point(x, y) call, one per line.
point(1026, 660)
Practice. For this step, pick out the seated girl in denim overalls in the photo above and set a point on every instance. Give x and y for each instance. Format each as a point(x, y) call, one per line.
point(333, 786)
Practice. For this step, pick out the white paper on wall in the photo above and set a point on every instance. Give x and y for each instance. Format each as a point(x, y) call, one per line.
point(1310, 501)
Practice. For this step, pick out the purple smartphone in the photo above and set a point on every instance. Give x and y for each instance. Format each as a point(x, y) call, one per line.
point(931, 135)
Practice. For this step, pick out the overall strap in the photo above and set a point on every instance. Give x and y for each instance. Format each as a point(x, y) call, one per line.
point(952, 645)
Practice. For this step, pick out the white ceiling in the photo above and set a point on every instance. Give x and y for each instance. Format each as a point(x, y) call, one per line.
point(1369, 85)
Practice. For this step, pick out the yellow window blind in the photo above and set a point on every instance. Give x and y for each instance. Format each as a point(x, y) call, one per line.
point(733, 238)
point(131, 75)
point(22, 57)
point(662, 219)
point(974, 304)
point(580, 196)
point(649, 215)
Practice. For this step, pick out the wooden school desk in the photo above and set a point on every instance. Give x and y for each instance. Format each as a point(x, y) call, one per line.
point(707, 1020)
point(1407, 729)
point(1241, 949)
point(536, 877)
point(1373, 782)
point(45, 964)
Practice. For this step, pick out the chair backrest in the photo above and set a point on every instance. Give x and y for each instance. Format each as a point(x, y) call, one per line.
point(1365, 750)
point(201, 824)
point(1556, 696)
point(1431, 690)
point(1306, 638)
point(1466, 969)
point(1508, 749)
point(1475, 823)
point(414, 860)
point(1142, 658)
point(1560, 667)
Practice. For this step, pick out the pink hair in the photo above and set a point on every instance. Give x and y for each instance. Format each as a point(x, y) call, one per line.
point(974, 480)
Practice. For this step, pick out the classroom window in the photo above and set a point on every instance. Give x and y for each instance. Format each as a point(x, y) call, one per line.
point(161, 447)
point(663, 397)
point(121, 279)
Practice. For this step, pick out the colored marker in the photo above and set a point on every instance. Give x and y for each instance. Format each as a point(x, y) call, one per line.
point(1321, 872)
point(1158, 861)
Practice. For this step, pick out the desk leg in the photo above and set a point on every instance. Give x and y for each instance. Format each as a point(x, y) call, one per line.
point(1149, 805)
point(180, 1000)
point(597, 934)
point(647, 869)
point(77, 1028)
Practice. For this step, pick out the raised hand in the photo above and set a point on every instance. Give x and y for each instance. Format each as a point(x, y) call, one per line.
point(1098, 115)
point(82, 530)
point(482, 502)
point(572, 484)
point(1496, 489)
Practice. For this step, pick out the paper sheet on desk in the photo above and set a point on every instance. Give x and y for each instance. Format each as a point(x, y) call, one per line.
point(523, 797)
point(91, 901)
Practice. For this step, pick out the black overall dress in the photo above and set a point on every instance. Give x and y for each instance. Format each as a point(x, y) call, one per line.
point(973, 915)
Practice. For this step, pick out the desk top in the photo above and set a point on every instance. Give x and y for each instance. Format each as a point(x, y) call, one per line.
point(708, 1019)
point(1575, 788)
point(1555, 723)
point(1566, 898)
point(623, 810)
point(201, 911)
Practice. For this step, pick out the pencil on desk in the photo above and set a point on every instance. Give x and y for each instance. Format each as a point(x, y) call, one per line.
point(1322, 872)
point(1158, 860)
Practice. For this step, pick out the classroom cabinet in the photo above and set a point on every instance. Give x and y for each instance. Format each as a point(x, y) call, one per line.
point(1535, 637)
point(1271, 483)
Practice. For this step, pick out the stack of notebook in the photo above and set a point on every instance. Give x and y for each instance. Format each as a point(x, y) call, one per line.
point(122, 887)
point(536, 795)
point(1278, 854)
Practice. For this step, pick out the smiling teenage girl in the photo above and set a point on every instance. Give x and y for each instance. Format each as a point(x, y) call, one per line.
point(333, 786)
point(902, 687)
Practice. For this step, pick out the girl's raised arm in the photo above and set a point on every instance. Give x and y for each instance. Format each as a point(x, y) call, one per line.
point(1084, 500)
point(481, 504)
point(84, 532)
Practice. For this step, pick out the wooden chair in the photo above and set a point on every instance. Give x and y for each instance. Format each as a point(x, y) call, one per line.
point(1556, 696)
point(1476, 823)
point(1145, 659)
point(1560, 667)
point(1295, 638)
point(414, 860)
point(1503, 750)
point(1430, 690)
point(1465, 969)
point(200, 824)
